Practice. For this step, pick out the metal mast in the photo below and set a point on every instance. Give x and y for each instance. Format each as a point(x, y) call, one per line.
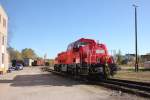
point(136, 55)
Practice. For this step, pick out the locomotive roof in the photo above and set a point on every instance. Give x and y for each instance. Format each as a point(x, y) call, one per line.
point(86, 40)
point(83, 40)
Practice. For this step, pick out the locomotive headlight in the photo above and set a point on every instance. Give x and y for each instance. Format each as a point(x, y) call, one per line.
point(100, 51)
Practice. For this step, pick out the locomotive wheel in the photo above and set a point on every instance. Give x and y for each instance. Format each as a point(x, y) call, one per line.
point(59, 68)
point(74, 70)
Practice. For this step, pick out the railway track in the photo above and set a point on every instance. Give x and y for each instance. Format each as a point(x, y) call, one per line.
point(133, 87)
point(137, 88)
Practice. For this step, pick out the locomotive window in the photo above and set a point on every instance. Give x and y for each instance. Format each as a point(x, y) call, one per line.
point(76, 45)
point(70, 46)
point(82, 44)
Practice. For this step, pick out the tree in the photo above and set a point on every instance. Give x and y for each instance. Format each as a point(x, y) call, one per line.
point(18, 55)
point(14, 54)
point(28, 53)
point(119, 57)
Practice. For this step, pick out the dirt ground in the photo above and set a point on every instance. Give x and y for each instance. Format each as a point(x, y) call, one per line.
point(33, 84)
point(128, 73)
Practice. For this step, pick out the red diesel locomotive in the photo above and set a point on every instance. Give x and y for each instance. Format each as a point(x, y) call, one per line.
point(86, 57)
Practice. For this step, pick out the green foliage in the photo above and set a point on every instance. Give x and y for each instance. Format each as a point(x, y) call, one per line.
point(119, 57)
point(14, 54)
point(28, 53)
point(51, 62)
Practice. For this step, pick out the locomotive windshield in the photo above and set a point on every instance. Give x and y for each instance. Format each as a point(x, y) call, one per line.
point(70, 46)
point(82, 44)
point(76, 45)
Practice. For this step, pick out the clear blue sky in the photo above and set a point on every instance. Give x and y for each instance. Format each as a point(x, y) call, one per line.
point(48, 26)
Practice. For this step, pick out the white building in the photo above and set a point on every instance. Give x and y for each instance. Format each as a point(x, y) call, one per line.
point(28, 62)
point(3, 41)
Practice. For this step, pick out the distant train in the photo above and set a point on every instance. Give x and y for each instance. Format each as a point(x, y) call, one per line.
point(39, 62)
point(30, 62)
point(86, 57)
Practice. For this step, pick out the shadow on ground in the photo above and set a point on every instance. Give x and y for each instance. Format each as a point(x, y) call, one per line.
point(40, 80)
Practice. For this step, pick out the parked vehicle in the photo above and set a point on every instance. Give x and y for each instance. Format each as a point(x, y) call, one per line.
point(15, 62)
point(86, 57)
point(10, 69)
point(19, 67)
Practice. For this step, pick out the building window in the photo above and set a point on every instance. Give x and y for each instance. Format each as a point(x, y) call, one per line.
point(3, 40)
point(2, 58)
point(4, 22)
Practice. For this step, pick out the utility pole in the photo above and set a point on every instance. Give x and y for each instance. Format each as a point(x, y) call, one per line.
point(136, 55)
